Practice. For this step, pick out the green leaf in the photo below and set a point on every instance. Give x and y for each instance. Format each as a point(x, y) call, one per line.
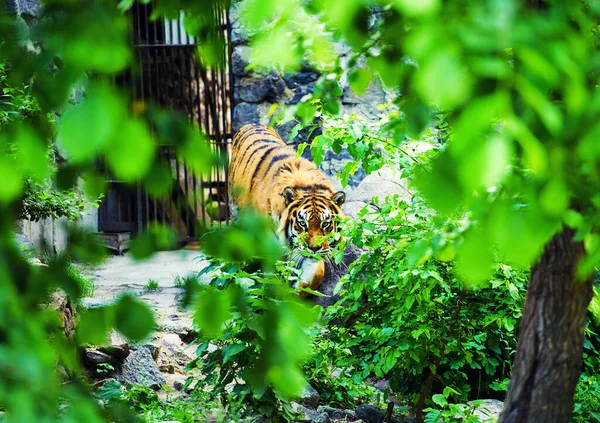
point(359, 80)
point(444, 80)
point(231, 351)
point(440, 400)
point(87, 128)
point(294, 132)
point(554, 198)
point(475, 259)
point(94, 325)
point(211, 311)
point(12, 180)
point(130, 156)
point(440, 185)
point(133, 319)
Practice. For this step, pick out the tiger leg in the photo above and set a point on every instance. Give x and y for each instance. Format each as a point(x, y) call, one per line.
point(312, 275)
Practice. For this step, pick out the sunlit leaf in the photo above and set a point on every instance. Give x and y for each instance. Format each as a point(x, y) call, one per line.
point(444, 80)
point(474, 259)
point(87, 128)
point(359, 80)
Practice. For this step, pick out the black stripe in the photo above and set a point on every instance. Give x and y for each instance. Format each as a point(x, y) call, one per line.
point(286, 167)
point(278, 158)
point(266, 144)
point(260, 162)
point(313, 187)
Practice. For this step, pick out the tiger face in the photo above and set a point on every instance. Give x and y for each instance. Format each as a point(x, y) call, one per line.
point(311, 217)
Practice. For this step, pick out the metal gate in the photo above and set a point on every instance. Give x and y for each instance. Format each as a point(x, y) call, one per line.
point(169, 73)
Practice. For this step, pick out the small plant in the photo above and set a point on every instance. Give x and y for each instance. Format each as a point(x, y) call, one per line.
point(104, 368)
point(145, 403)
point(152, 285)
point(179, 281)
point(86, 285)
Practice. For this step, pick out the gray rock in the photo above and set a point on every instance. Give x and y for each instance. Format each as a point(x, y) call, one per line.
point(117, 346)
point(275, 85)
point(243, 114)
point(239, 36)
point(369, 413)
point(309, 397)
point(304, 78)
point(93, 358)
point(154, 350)
point(334, 163)
point(252, 89)
point(337, 413)
point(24, 7)
point(65, 309)
point(382, 183)
point(333, 274)
point(139, 368)
point(306, 414)
point(489, 411)
point(239, 60)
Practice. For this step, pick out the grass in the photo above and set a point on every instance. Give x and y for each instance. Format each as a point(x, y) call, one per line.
point(152, 285)
point(86, 285)
point(76, 273)
point(179, 282)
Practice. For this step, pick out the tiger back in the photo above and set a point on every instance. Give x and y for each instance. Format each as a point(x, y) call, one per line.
point(265, 174)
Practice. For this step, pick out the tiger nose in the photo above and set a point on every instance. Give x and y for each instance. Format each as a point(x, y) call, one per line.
point(314, 248)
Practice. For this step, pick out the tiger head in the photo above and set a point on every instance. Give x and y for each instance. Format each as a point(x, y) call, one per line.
point(310, 217)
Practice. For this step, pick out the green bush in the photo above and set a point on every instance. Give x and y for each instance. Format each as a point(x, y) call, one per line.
point(403, 307)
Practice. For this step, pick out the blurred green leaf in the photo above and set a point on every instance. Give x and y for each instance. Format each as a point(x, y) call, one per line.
point(359, 80)
point(87, 128)
point(474, 259)
point(133, 319)
point(212, 310)
point(131, 154)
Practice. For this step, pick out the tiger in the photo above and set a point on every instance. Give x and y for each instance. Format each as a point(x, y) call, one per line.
point(265, 174)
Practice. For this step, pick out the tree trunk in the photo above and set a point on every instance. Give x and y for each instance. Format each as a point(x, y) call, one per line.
point(548, 358)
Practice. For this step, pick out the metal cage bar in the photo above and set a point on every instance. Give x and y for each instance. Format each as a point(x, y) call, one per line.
point(167, 72)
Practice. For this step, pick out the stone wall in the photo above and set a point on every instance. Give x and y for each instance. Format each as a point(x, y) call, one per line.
point(255, 93)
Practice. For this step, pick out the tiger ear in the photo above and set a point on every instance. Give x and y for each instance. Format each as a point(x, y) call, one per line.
point(339, 198)
point(289, 195)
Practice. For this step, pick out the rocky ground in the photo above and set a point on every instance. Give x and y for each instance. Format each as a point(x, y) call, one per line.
point(161, 360)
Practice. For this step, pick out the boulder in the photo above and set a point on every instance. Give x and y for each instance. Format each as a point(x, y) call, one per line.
point(383, 183)
point(117, 346)
point(309, 397)
point(93, 358)
point(333, 274)
point(307, 415)
point(173, 351)
point(251, 90)
point(488, 411)
point(337, 413)
point(139, 368)
point(369, 413)
point(245, 113)
point(65, 309)
point(239, 60)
